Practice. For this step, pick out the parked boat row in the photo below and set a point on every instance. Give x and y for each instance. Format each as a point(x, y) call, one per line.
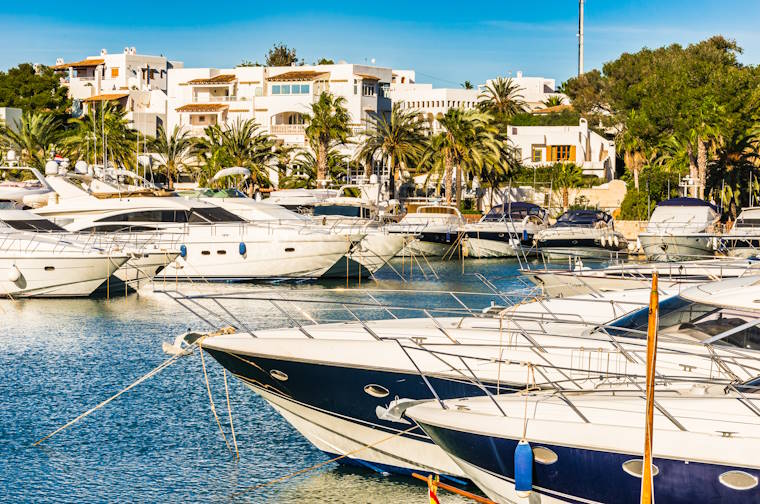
point(564, 374)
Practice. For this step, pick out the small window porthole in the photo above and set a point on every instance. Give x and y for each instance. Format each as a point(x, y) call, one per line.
point(205, 252)
point(49, 268)
point(634, 467)
point(738, 480)
point(278, 375)
point(544, 455)
point(376, 390)
point(221, 252)
point(290, 249)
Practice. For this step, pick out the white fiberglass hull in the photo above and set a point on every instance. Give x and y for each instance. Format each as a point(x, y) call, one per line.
point(377, 248)
point(338, 436)
point(483, 249)
point(662, 247)
point(56, 276)
point(271, 253)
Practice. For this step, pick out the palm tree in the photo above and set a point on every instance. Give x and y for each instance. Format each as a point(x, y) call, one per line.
point(469, 141)
point(566, 176)
point(308, 167)
point(174, 150)
point(554, 101)
point(502, 98)
point(328, 126)
point(398, 139)
point(103, 125)
point(241, 143)
point(34, 138)
point(468, 85)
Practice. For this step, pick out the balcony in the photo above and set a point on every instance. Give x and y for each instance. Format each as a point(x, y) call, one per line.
point(219, 99)
point(288, 129)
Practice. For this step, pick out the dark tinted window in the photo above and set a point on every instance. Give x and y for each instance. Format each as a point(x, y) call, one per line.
point(116, 228)
point(672, 311)
point(213, 214)
point(582, 218)
point(34, 225)
point(342, 210)
point(148, 216)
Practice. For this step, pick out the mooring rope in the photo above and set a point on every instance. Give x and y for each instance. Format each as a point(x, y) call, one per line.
point(211, 399)
point(146, 376)
point(229, 411)
point(320, 464)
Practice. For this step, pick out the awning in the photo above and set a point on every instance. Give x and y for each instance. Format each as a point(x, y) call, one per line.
point(218, 79)
point(232, 171)
point(298, 75)
point(202, 107)
point(367, 77)
point(81, 64)
point(105, 97)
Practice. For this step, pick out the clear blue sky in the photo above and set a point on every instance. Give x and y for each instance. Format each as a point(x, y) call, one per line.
point(445, 42)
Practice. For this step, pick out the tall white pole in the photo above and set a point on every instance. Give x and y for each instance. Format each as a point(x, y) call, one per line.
point(580, 37)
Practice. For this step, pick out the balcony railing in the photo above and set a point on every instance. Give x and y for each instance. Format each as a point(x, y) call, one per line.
point(288, 129)
point(219, 99)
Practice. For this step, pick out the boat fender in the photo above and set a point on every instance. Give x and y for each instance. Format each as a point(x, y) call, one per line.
point(242, 249)
point(715, 242)
point(523, 469)
point(638, 244)
point(14, 274)
point(525, 235)
point(603, 241)
point(183, 251)
point(617, 240)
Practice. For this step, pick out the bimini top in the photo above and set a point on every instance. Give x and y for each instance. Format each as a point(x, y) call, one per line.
point(583, 218)
point(740, 293)
point(683, 201)
point(515, 210)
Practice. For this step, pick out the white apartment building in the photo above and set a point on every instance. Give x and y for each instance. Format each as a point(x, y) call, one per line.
point(546, 145)
point(535, 90)
point(275, 97)
point(138, 82)
point(428, 100)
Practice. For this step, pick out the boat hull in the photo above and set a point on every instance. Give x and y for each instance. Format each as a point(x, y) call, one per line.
point(582, 475)
point(56, 276)
point(676, 248)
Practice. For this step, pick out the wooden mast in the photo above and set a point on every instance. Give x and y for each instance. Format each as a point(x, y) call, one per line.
point(647, 482)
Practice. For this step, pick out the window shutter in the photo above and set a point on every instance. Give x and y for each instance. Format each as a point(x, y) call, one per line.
point(572, 153)
point(549, 151)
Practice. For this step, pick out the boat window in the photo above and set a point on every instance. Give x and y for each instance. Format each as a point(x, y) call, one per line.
point(544, 455)
point(738, 480)
point(751, 386)
point(673, 311)
point(582, 218)
point(376, 390)
point(516, 211)
point(115, 228)
point(212, 215)
point(34, 225)
point(635, 467)
point(341, 210)
point(148, 216)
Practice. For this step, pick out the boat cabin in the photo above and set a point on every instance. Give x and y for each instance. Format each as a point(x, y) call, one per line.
point(585, 218)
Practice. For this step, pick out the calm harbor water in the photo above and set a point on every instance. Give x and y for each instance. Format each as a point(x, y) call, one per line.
point(159, 441)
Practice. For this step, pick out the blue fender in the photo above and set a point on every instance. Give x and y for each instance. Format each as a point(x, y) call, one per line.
point(241, 248)
point(523, 468)
point(183, 250)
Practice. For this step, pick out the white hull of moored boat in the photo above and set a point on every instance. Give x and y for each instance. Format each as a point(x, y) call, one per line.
point(338, 436)
point(56, 276)
point(671, 247)
point(268, 256)
point(377, 248)
point(483, 249)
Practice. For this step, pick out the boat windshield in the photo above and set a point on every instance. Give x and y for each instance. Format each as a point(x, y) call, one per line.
point(582, 218)
point(341, 210)
point(198, 215)
point(212, 193)
point(514, 212)
point(693, 321)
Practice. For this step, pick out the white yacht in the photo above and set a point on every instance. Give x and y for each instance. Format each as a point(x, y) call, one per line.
point(147, 256)
point(346, 385)
point(582, 233)
point(438, 229)
point(586, 447)
point(681, 229)
point(214, 243)
point(35, 264)
point(743, 239)
point(506, 230)
point(580, 279)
